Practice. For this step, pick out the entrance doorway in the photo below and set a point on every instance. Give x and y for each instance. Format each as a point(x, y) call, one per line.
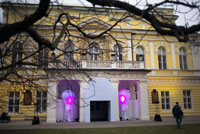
point(67, 101)
point(99, 110)
point(128, 99)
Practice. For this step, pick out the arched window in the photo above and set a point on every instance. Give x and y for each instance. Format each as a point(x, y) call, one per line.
point(43, 58)
point(162, 58)
point(94, 51)
point(139, 54)
point(17, 54)
point(182, 58)
point(69, 50)
point(118, 53)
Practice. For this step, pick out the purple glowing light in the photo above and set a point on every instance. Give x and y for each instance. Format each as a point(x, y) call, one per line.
point(122, 98)
point(69, 100)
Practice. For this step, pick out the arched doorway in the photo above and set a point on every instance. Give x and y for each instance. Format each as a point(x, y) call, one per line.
point(67, 101)
point(129, 101)
point(100, 100)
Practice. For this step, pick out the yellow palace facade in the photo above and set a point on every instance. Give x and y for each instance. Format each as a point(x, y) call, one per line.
point(131, 72)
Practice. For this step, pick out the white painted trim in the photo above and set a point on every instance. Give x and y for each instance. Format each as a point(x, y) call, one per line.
point(129, 50)
point(173, 56)
point(51, 108)
point(115, 85)
point(152, 55)
point(143, 100)
point(82, 103)
point(100, 89)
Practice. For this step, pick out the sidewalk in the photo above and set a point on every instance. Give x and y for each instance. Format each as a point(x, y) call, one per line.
point(129, 123)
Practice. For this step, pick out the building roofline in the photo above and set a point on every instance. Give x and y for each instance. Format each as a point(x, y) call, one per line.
point(79, 7)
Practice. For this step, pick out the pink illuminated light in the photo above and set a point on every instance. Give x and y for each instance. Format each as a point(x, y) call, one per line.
point(122, 99)
point(70, 100)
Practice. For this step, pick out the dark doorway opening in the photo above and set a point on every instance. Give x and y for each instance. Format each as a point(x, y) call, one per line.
point(99, 110)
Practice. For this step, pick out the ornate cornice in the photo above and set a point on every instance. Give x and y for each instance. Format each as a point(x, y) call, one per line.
point(189, 80)
point(86, 75)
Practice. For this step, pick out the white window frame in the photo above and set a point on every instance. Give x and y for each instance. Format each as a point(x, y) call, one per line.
point(165, 98)
point(182, 59)
point(43, 58)
point(69, 53)
point(118, 52)
point(69, 50)
point(17, 53)
point(140, 53)
point(186, 97)
point(94, 52)
point(41, 102)
point(14, 101)
point(162, 53)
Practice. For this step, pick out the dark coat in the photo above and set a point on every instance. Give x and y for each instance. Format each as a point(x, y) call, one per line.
point(177, 112)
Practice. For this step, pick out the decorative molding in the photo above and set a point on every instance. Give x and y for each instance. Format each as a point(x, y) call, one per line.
point(173, 81)
point(152, 55)
point(173, 55)
point(94, 20)
point(110, 75)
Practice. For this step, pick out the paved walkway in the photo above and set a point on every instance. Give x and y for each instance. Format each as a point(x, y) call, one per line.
point(44, 125)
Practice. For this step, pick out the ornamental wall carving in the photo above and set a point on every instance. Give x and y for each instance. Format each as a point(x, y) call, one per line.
point(87, 75)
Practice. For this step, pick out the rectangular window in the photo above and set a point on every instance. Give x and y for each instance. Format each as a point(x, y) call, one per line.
point(41, 101)
point(162, 62)
point(17, 54)
point(13, 102)
point(165, 99)
point(187, 99)
point(183, 62)
point(43, 58)
point(159, 61)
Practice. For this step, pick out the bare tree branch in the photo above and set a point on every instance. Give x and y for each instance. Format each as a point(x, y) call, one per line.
point(8, 30)
point(180, 32)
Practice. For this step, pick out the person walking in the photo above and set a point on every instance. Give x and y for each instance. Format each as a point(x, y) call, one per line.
point(178, 114)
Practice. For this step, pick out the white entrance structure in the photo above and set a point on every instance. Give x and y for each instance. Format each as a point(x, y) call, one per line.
point(100, 89)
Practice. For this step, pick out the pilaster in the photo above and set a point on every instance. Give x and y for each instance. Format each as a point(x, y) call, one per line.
point(115, 85)
point(152, 55)
point(144, 102)
point(51, 103)
point(173, 56)
point(82, 102)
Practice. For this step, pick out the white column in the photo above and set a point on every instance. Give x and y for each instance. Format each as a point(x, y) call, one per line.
point(173, 56)
point(196, 59)
point(152, 55)
point(51, 102)
point(129, 50)
point(82, 101)
point(144, 101)
point(115, 85)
